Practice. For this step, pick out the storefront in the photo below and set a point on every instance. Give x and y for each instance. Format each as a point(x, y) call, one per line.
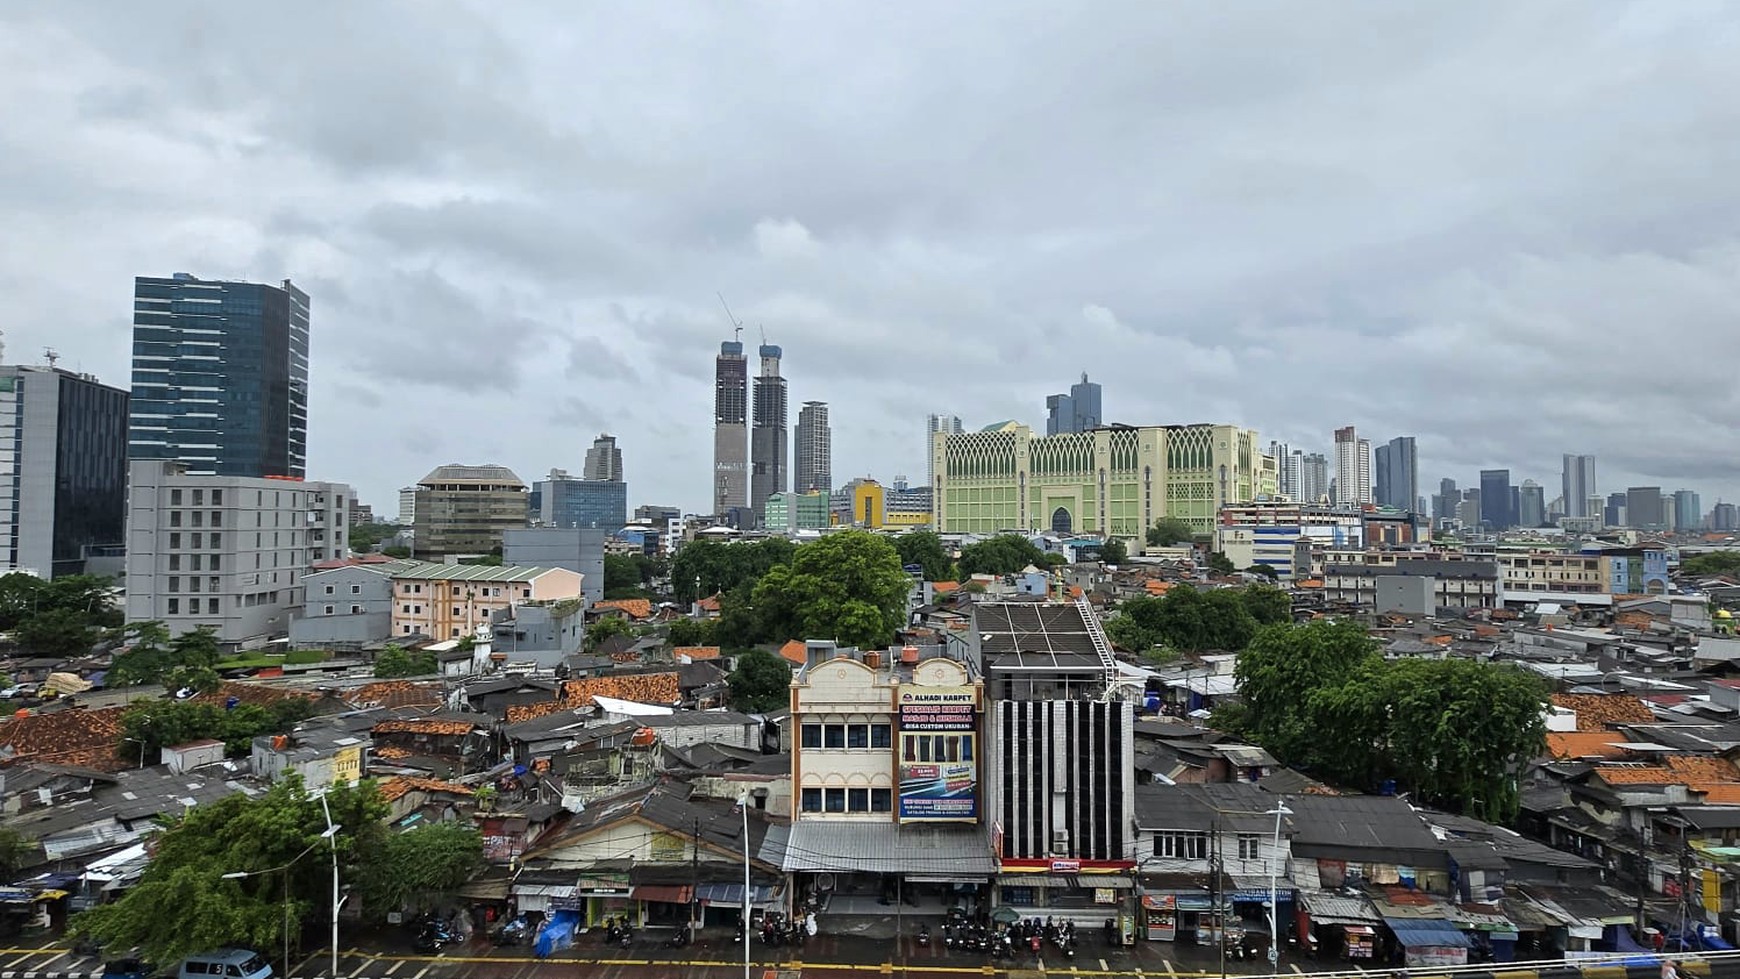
point(1086, 892)
point(606, 897)
point(1159, 917)
point(1335, 926)
point(1429, 942)
point(722, 902)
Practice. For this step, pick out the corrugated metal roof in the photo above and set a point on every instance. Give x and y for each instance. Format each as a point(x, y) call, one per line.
point(883, 848)
point(430, 571)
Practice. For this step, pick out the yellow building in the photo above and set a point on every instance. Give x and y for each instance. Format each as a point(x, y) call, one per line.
point(449, 601)
point(869, 505)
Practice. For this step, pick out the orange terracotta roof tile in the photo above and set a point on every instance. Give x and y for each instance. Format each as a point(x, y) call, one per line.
point(399, 786)
point(1311, 583)
point(258, 694)
point(1585, 744)
point(1155, 586)
point(531, 712)
point(1697, 768)
point(642, 688)
point(1719, 793)
point(64, 737)
point(395, 693)
point(709, 604)
point(697, 652)
point(423, 726)
point(1598, 711)
point(637, 608)
point(944, 587)
point(793, 652)
point(1640, 775)
point(1441, 640)
point(392, 752)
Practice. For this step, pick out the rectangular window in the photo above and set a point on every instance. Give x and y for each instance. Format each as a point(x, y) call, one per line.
point(456, 611)
point(881, 735)
point(193, 583)
point(175, 542)
point(174, 583)
point(328, 610)
point(216, 540)
point(199, 518)
point(857, 735)
point(356, 610)
point(175, 518)
point(329, 589)
point(217, 497)
point(881, 800)
point(199, 497)
point(174, 497)
point(857, 800)
point(812, 800)
point(211, 583)
point(175, 606)
point(356, 589)
point(406, 609)
point(211, 606)
point(194, 541)
point(834, 736)
point(175, 562)
point(836, 800)
point(1181, 846)
point(1248, 846)
point(193, 562)
point(812, 735)
point(217, 518)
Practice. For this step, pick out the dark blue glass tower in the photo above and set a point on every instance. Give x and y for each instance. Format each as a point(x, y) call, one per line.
point(220, 376)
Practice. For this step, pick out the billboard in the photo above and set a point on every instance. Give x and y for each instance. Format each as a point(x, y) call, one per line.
point(939, 762)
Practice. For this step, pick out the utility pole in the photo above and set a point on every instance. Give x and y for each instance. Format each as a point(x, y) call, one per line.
point(695, 879)
point(1215, 890)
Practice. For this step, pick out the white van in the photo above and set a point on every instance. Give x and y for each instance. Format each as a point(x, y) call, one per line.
point(226, 963)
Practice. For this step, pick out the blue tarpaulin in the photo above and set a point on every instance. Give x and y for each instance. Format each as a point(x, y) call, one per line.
point(1423, 932)
point(557, 933)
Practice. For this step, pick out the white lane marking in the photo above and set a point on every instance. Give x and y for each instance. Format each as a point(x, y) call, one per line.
point(396, 966)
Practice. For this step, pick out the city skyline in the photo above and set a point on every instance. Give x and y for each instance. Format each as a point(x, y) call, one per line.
point(1466, 279)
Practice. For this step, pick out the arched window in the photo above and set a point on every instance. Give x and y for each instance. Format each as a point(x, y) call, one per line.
point(1060, 521)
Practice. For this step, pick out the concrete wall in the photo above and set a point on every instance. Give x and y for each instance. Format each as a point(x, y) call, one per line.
point(579, 550)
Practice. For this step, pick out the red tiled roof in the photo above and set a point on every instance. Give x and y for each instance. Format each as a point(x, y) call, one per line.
point(257, 694)
point(398, 786)
point(423, 726)
point(642, 688)
point(697, 652)
point(76, 736)
point(637, 608)
point(1597, 711)
point(1696, 768)
point(1585, 744)
point(395, 693)
point(944, 587)
point(793, 652)
point(1640, 775)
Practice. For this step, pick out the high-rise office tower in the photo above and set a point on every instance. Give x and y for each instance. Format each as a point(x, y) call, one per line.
point(1613, 514)
point(1398, 474)
point(1724, 516)
point(1688, 511)
point(1645, 508)
point(1495, 499)
point(220, 376)
point(730, 428)
point(1531, 504)
point(603, 460)
point(63, 442)
point(1444, 504)
point(768, 438)
point(1313, 476)
point(1077, 411)
point(1352, 467)
point(813, 457)
point(1578, 478)
point(1286, 469)
point(947, 425)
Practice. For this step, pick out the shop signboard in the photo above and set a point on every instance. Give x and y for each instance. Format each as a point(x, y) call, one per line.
point(939, 763)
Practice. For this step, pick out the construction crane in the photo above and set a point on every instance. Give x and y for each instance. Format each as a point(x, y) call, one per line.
point(736, 324)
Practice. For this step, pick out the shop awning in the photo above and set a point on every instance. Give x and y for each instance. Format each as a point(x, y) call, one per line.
point(890, 848)
point(733, 893)
point(50, 895)
point(1326, 908)
point(543, 890)
point(1427, 932)
point(1111, 881)
point(15, 895)
point(485, 890)
point(664, 893)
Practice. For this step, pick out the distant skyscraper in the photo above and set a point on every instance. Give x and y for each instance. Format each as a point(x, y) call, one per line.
point(1313, 476)
point(1688, 511)
point(946, 424)
point(603, 460)
point(1613, 514)
point(220, 376)
point(813, 463)
point(1352, 467)
point(1645, 508)
point(1077, 411)
point(1444, 504)
point(1724, 517)
point(1398, 474)
point(1495, 499)
point(1578, 478)
point(1531, 504)
point(730, 428)
point(1286, 469)
point(769, 438)
point(63, 442)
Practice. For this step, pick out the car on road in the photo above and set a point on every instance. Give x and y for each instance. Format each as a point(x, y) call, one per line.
point(226, 963)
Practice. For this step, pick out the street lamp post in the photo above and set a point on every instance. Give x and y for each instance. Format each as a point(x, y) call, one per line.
point(330, 834)
point(1278, 812)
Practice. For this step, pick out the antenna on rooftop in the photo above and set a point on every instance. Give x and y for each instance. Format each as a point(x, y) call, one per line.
point(736, 324)
point(51, 355)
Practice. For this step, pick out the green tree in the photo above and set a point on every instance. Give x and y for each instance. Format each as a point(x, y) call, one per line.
point(365, 536)
point(396, 551)
point(1219, 563)
point(693, 632)
point(1283, 666)
point(428, 864)
point(622, 577)
point(1000, 555)
point(17, 852)
point(1170, 532)
point(847, 586)
point(61, 633)
point(153, 724)
point(760, 683)
point(1267, 604)
point(924, 549)
point(1114, 551)
point(396, 661)
point(183, 903)
point(707, 567)
point(604, 628)
point(1459, 731)
point(145, 659)
point(1265, 571)
point(1713, 563)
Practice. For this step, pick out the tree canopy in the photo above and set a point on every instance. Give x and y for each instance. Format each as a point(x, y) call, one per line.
point(924, 549)
point(63, 617)
point(760, 683)
point(1114, 551)
point(846, 586)
point(151, 725)
point(183, 904)
point(1219, 563)
point(1003, 554)
point(1188, 620)
point(693, 632)
point(630, 575)
point(1453, 731)
point(1713, 563)
point(723, 566)
point(152, 657)
point(1170, 532)
point(396, 661)
point(604, 628)
point(427, 863)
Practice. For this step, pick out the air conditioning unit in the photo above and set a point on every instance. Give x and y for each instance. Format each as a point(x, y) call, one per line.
point(1060, 841)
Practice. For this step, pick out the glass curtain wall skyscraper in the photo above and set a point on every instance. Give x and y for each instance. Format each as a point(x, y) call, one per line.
point(813, 463)
point(768, 437)
point(220, 376)
point(1578, 485)
point(1398, 474)
point(730, 428)
point(63, 453)
point(1077, 411)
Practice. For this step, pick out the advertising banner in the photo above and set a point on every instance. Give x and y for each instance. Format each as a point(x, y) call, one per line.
point(939, 761)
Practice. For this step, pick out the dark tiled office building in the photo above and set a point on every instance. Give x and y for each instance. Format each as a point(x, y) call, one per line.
point(63, 470)
point(220, 376)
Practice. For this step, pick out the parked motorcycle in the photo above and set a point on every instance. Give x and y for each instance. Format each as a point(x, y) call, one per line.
point(517, 931)
point(679, 938)
point(923, 936)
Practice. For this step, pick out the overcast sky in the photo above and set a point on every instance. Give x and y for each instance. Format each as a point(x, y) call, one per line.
point(1509, 229)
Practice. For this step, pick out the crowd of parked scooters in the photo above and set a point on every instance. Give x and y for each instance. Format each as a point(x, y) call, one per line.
point(1029, 936)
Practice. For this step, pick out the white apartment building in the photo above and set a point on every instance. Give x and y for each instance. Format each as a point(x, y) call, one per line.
point(227, 552)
